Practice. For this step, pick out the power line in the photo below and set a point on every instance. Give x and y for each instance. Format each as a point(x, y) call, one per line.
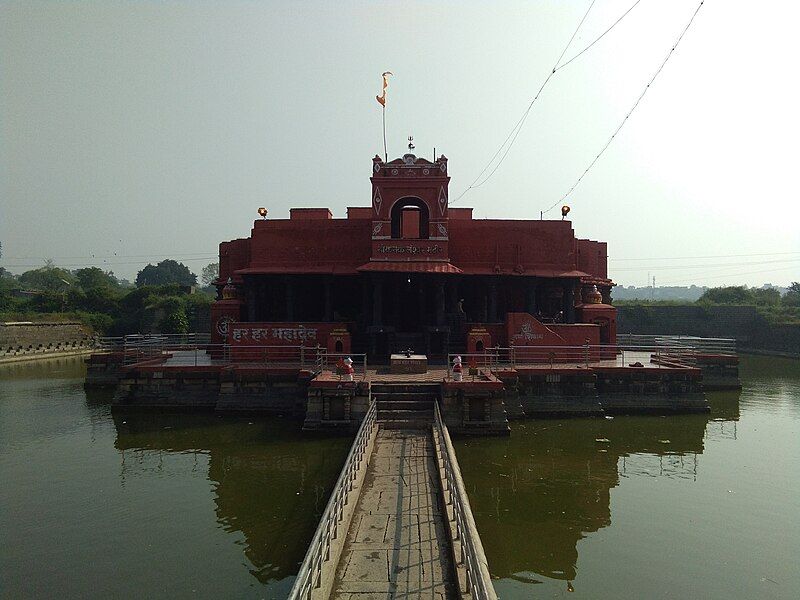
point(708, 256)
point(706, 266)
point(728, 275)
point(512, 136)
point(515, 131)
point(635, 104)
point(625, 14)
point(95, 256)
point(105, 263)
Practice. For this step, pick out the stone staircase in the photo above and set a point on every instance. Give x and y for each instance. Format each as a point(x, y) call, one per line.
point(405, 405)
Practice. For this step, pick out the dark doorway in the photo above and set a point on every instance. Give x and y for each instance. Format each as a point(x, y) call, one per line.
point(410, 216)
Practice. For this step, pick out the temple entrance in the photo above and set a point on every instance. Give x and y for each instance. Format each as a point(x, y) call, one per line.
point(409, 317)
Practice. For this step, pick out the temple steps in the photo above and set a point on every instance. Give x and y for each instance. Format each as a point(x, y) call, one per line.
point(405, 405)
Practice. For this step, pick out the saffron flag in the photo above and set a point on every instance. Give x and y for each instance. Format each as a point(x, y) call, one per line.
point(382, 98)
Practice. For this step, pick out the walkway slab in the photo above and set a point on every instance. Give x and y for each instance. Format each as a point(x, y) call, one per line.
point(397, 545)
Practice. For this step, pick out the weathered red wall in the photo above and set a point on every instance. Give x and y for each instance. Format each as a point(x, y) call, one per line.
point(233, 255)
point(592, 257)
point(309, 246)
point(477, 246)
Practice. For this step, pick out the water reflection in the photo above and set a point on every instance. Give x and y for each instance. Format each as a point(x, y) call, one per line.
point(539, 492)
point(270, 481)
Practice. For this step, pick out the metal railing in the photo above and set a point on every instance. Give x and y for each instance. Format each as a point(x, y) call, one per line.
point(653, 350)
point(196, 350)
point(310, 574)
point(688, 342)
point(330, 361)
point(471, 556)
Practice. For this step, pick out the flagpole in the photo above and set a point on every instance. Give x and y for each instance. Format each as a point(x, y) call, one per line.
point(385, 154)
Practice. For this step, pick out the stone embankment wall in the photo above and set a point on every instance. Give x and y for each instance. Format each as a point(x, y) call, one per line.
point(751, 330)
point(24, 341)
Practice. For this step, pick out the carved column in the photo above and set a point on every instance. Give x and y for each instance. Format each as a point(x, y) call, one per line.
point(440, 320)
point(365, 316)
point(569, 302)
point(377, 301)
point(289, 299)
point(327, 291)
point(250, 294)
point(530, 304)
point(493, 300)
point(423, 318)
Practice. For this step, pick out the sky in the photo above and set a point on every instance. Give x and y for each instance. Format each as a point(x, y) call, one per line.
point(136, 131)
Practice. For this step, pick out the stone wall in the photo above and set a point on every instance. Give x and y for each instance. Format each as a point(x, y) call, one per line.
point(744, 323)
point(28, 340)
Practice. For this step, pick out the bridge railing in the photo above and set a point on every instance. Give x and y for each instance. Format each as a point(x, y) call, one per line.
point(319, 565)
point(469, 555)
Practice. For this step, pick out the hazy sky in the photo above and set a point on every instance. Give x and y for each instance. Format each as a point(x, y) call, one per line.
point(135, 131)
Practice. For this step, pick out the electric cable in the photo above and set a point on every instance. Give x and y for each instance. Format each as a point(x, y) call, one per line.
point(518, 126)
point(635, 104)
point(665, 283)
point(625, 14)
point(708, 256)
point(706, 266)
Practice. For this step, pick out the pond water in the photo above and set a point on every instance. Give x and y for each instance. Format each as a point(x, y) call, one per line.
point(102, 505)
point(95, 505)
point(692, 506)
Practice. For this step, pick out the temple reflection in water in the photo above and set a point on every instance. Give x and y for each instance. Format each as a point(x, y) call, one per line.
point(269, 482)
point(546, 487)
point(535, 494)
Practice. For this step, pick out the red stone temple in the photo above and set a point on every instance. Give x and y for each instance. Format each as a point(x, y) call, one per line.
point(410, 272)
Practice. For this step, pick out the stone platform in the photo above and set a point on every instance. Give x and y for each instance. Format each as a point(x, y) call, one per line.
point(404, 364)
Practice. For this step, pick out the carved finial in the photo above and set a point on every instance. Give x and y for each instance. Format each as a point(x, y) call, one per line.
point(411, 145)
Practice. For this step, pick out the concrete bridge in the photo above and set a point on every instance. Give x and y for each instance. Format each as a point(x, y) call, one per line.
point(398, 523)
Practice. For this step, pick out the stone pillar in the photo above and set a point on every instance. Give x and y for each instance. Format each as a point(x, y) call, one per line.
point(396, 293)
point(440, 319)
point(493, 300)
point(452, 294)
point(263, 301)
point(569, 302)
point(530, 300)
point(365, 320)
point(377, 301)
point(327, 291)
point(250, 294)
point(289, 299)
point(423, 318)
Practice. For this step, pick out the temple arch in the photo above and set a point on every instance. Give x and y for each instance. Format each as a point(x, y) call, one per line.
point(416, 226)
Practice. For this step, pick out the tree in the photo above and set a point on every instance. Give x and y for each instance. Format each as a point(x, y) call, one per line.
point(209, 273)
point(47, 279)
point(792, 296)
point(93, 277)
point(766, 296)
point(728, 295)
point(166, 272)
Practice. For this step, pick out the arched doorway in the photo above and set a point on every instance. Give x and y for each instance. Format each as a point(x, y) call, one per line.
point(410, 218)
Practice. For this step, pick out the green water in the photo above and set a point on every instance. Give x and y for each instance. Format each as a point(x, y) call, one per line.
point(95, 505)
point(696, 506)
